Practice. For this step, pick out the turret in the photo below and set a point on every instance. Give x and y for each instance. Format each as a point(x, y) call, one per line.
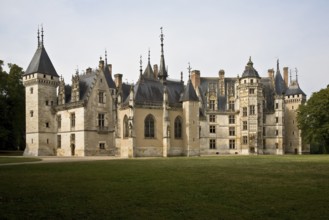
point(162, 71)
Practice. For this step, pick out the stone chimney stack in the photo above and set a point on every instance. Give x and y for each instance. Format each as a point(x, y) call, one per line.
point(118, 80)
point(195, 78)
point(285, 75)
point(156, 71)
point(221, 75)
point(271, 74)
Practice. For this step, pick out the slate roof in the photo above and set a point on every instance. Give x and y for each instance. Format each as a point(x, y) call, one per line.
point(294, 89)
point(280, 85)
point(41, 63)
point(250, 70)
point(148, 72)
point(108, 77)
point(189, 93)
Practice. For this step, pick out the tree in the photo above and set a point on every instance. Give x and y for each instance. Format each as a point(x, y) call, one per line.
point(12, 108)
point(313, 120)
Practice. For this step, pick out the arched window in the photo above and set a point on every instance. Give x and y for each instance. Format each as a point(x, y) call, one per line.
point(178, 127)
point(149, 126)
point(125, 126)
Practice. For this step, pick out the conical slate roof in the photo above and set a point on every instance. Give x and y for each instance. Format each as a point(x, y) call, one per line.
point(148, 72)
point(280, 85)
point(108, 77)
point(250, 70)
point(189, 93)
point(294, 89)
point(41, 63)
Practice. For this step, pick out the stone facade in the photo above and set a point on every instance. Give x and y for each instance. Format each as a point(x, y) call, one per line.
point(158, 117)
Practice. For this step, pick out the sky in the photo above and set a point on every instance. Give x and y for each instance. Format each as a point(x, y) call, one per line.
point(210, 34)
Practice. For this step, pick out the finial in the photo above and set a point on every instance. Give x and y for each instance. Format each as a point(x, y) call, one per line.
point(149, 56)
point(277, 65)
point(181, 76)
point(189, 70)
point(296, 74)
point(105, 56)
point(41, 35)
point(77, 71)
point(141, 66)
point(290, 75)
point(100, 58)
point(38, 37)
point(161, 38)
point(249, 58)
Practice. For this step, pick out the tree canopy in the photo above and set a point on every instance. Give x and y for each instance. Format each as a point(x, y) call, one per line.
point(313, 120)
point(12, 107)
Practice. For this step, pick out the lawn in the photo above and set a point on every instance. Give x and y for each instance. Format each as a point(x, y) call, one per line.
point(223, 187)
point(5, 160)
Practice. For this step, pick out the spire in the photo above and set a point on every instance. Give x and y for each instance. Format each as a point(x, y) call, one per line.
point(296, 74)
point(38, 37)
point(41, 36)
point(163, 72)
point(189, 71)
point(105, 57)
point(181, 76)
point(290, 76)
point(149, 56)
point(141, 66)
point(277, 66)
point(189, 93)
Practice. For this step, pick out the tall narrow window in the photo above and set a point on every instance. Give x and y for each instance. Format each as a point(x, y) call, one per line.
point(276, 119)
point(125, 126)
point(31, 113)
point(276, 105)
point(251, 109)
point(149, 126)
point(31, 90)
point(245, 125)
point(102, 146)
point(59, 141)
point(212, 129)
point(244, 111)
point(251, 91)
point(101, 120)
point(232, 131)
point(212, 144)
point(72, 120)
point(231, 105)
point(231, 119)
point(101, 97)
point(212, 104)
point(245, 139)
point(232, 144)
point(212, 118)
point(178, 127)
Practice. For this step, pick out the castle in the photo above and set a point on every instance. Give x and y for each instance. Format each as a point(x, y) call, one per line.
point(159, 117)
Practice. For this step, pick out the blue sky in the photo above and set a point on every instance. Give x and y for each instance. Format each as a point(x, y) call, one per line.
point(211, 35)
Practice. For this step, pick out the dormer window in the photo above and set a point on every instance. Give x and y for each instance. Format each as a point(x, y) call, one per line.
point(251, 81)
point(51, 77)
point(44, 76)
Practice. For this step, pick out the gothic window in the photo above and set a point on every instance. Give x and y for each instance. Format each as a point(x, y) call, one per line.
point(149, 126)
point(245, 140)
point(212, 118)
point(101, 120)
point(125, 126)
point(232, 144)
point(59, 141)
point(231, 119)
point(244, 111)
point(178, 127)
point(59, 121)
point(231, 105)
point(245, 125)
point(251, 91)
point(212, 144)
point(251, 110)
point(212, 129)
point(101, 97)
point(232, 131)
point(72, 120)
point(212, 104)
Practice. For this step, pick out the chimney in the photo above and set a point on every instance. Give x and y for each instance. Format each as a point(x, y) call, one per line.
point(118, 80)
point(88, 70)
point(271, 74)
point(195, 78)
point(155, 70)
point(285, 75)
point(221, 75)
point(101, 65)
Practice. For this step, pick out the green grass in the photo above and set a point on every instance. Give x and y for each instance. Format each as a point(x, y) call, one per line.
point(4, 160)
point(225, 187)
